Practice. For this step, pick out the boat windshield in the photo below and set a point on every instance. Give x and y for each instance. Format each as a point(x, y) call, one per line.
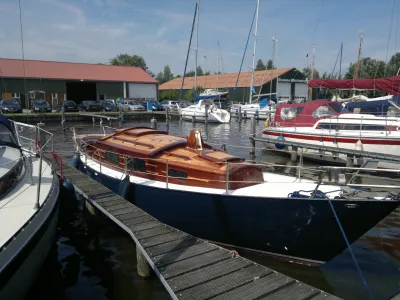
point(337, 107)
point(6, 136)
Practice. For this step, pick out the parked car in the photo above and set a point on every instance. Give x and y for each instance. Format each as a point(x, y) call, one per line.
point(108, 105)
point(10, 106)
point(154, 104)
point(90, 105)
point(170, 104)
point(69, 106)
point(131, 105)
point(40, 106)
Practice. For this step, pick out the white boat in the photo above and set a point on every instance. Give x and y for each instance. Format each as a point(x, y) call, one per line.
point(28, 207)
point(262, 110)
point(198, 112)
point(212, 94)
point(325, 123)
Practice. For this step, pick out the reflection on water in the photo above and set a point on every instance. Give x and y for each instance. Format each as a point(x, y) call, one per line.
point(98, 261)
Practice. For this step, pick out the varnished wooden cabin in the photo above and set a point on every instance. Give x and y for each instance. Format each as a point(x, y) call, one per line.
point(149, 153)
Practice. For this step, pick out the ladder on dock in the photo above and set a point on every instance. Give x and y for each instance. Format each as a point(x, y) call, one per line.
point(188, 267)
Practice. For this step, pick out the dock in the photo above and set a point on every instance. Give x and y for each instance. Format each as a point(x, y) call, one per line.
point(188, 267)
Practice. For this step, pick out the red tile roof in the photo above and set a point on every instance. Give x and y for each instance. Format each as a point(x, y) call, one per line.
point(224, 80)
point(73, 71)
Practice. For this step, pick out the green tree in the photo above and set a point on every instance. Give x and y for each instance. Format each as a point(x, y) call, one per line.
point(189, 95)
point(270, 65)
point(125, 59)
point(369, 68)
point(178, 76)
point(393, 65)
point(169, 95)
point(190, 74)
point(307, 73)
point(260, 65)
point(165, 76)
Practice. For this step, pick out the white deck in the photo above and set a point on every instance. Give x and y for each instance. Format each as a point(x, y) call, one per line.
point(17, 207)
point(278, 186)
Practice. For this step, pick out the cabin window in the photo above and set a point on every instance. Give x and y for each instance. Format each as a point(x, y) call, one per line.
point(112, 158)
point(323, 111)
point(137, 164)
point(288, 113)
point(177, 173)
point(335, 126)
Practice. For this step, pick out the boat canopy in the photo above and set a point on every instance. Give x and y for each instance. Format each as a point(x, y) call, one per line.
point(389, 85)
point(7, 135)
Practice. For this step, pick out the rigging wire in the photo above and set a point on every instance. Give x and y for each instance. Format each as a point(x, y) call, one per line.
point(244, 53)
point(23, 54)
point(333, 71)
point(390, 33)
point(315, 30)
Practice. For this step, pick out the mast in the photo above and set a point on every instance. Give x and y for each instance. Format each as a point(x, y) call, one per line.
point(340, 65)
point(217, 65)
point(273, 63)
point(358, 59)
point(312, 74)
point(197, 44)
point(254, 53)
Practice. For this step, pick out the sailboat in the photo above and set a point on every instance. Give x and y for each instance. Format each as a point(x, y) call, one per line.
point(205, 110)
point(262, 110)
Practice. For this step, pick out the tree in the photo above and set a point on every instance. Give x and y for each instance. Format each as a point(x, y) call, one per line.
point(169, 95)
point(199, 71)
point(189, 95)
point(369, 68)
point(178, 76)
point(190, 74)
point(270, 65)
point(165, 76)
point(260, 65)
point(125, 59)
point(307, 73)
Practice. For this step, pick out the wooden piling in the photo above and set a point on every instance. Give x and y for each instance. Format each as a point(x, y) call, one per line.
point(240, 114)
point(153, 123)
point(293, 155)
point(206, 114)
point(143, 267)
point(253, 135)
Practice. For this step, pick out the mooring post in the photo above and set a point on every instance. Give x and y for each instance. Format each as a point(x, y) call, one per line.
point(300, 163)
point(193, 119)
point(293, 155)
point(253, 135)
point(206, 114)
point(63, 118)
point(120, 117)
point(143, 266)
point(153, 123)
point(167, 118)
point(240, 114)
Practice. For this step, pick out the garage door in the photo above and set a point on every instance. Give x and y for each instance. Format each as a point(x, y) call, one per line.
point(142, 90)
point(300, 92)
point(284, 91)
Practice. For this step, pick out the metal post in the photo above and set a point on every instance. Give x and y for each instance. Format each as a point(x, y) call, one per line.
point(240, 114)
point(167, 118)
point(37, 204)
point(100, 160)
point(293, 156)
point(166, 173)
point(63, 117)
point(253, 135)
point(227, 178)
point(41, 135)
point(30, 168)
point(300, 163)
point(206, 114)
point(94, 121)
point(143, 266)
point(153, 123)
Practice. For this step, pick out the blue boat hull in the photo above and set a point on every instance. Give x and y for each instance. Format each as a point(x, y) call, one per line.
point(295, 229)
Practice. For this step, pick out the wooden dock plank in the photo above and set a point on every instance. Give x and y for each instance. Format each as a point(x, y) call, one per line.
point(189, 267)
point(182, 253)
point(263, 286)
point(225, 283)
point(199, 261)
point(208, 273)
point(184, 242)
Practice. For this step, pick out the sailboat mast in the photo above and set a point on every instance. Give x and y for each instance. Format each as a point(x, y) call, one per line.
point(197, 44)
point(254, 53)
point(273, 63)
point(340, 65)
point(312, 74)
point(358, 59)
point(217, 65)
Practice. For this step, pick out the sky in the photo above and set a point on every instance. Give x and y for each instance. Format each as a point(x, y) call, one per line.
point(93, 31)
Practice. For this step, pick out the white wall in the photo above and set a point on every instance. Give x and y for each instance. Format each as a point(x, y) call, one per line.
point(142, 90)
point(301, 91)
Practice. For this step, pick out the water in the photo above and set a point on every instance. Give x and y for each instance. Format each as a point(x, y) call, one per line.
point(97, 260)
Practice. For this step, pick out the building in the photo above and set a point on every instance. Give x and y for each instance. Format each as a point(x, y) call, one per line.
point(56, 81)
point(292, 84)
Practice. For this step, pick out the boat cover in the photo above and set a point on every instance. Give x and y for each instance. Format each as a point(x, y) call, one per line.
point(389, 85)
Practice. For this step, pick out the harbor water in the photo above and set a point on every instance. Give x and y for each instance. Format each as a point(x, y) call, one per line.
point(97, 260)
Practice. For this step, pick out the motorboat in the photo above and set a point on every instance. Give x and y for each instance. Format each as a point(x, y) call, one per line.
point(211, 94)
point(205, 109)
point(262, 110)
point(326, 123)
point(28, 206)
point(214, 195)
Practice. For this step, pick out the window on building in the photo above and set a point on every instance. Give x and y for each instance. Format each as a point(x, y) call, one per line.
point(323, 111)
point(32, 96)
point(112, 158)
point(102, 97)
point(177, 173)
point(54, 96)
point(136, 164)
point(16, 95)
